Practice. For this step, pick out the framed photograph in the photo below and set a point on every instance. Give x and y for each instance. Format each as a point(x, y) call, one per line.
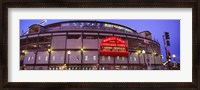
point(96, 44)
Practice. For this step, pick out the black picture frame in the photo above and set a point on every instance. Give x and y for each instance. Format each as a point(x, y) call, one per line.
point(194, 4)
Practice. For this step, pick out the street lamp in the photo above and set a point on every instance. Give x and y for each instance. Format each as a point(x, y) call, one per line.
point(49, 51)
point(68, 53)
point(154, 54)
point(143, 52)
point(174, 56)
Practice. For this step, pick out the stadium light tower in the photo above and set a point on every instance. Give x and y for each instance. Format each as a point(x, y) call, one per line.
point(43, 22)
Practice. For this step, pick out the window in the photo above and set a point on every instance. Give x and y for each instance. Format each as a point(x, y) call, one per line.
point(117, 57)
point(135, 59)
point(77, 58)
point(46, 58)
point(74, 36)
point(45, 39)
point(29, 58)
point(22, 42)
point(130, 58)
point(103, 58)
point(44, 46)
point(101, 36)
point(34, 29)
point(108, 58)
point(32, 58)
point(62, 58)
point(53, 58)
point(32, 46)
point(103, 68)
point(86, 58)
point(122, 58)
point(39, 58)
point(94, 58)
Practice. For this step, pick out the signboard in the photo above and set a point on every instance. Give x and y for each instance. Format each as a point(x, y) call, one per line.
point(113, 46)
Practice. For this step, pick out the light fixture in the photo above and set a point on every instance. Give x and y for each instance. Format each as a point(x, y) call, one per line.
point(81, 49)
point(49, 50)
point(23, 51)
point(143, 51)
point(138, 52)
point(68, 52)
point(34, 45)
point(173, 55)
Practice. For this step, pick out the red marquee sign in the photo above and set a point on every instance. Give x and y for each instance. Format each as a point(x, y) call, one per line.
point(113, 46)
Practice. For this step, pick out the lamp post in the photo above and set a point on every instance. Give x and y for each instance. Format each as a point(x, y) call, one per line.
point(154, 54)
point(68, 53)
point(139, 52)
point(174, 56)
point(49, 51)
point(143, 52)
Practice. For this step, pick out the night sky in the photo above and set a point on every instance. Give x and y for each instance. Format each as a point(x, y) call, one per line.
point(156, 27)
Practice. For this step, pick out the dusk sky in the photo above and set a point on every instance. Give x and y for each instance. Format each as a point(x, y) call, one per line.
point(156, 27)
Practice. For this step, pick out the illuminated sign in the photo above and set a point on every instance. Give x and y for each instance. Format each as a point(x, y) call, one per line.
point(113, 46)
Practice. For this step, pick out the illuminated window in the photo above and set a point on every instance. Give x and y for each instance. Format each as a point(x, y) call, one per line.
point(135, 59)
point(108, 58)
point(103, 58)
point(54, 58)
point(86, 58)
point(117, 57)
point(46, 58)
point(29, 58)
point(131, 59)
point(94, 58)
point(32, 58)
point(39, 58)
point(122, 58)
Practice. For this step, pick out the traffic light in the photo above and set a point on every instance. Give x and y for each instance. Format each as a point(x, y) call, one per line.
point(168, 53)
point(166, 35)
point(168, 57)
point(168, 43)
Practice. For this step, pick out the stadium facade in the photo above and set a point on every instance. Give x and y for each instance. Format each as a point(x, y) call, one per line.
point(88, 45)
